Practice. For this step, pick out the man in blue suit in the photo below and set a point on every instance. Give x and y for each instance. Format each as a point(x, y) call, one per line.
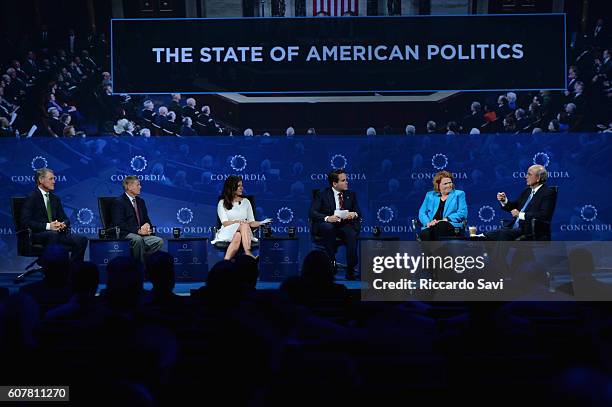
point(330, 226)
point(43, 213)
point(130, 214)
point(443, 209)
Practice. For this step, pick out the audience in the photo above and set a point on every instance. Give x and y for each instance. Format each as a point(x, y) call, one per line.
point(67, 73)
point(146, 346)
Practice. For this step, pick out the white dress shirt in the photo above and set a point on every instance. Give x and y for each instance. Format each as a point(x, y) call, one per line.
point(337, 199)
point(46, 198)
point(534, 190)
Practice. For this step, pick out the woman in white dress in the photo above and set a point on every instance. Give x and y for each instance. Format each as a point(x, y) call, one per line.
point(237, 219)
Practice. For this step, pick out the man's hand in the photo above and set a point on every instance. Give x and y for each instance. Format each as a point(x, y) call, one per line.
point(351, 215)
point(145, 230)
point(515, 213)
point(57, 226)
point(333, 219)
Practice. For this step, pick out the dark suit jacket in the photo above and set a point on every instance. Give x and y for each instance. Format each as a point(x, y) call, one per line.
point(541, 206)
point(124, 215)
point(324, 205)
point(208, 124)
point(161, 121)
point(189, 111)
point(177, 109)
point(34, 212)
point(187, 131)
point(472, 121)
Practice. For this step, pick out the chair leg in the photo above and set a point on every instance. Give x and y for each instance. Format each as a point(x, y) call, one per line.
point(32, 264)
point(21, 278)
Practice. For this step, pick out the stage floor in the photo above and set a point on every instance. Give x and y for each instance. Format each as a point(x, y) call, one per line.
point(6, 280)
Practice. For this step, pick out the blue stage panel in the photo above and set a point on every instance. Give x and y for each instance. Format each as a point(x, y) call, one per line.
point(182, 179)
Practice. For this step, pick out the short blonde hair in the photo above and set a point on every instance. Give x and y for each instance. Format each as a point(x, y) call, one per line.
point(438, 178)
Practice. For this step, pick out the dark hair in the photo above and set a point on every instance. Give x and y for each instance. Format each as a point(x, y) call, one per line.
point(85, 278)
point(229, 188)
point(248, 271)
point(317, 267)
point(160, 270)
point(334, 176)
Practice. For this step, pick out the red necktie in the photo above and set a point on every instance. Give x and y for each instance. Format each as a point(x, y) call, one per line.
point(137, 213)
point(341, 200)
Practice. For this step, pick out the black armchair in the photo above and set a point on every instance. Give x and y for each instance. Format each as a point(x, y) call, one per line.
point(460, 232)
point(105, 204)
point(25, 244)
point(223, 245)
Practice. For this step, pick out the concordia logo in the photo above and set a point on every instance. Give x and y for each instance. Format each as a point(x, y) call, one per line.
point(588, 214)
point(385, 214)
point(486, 214)
point(542, 158)
point(284, 215)
point(439, 162)
point(85, 217)
point(339, 161)
point(238, 163)
point(37, 163)
point(184, 216)
point(138, 164)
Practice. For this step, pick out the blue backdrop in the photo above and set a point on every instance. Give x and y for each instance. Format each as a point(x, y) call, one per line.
point(182, 178)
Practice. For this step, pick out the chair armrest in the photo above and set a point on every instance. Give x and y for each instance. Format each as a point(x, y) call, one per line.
point(540, 229)
point(24, 239)
point(415, 228)
point(27, 231)
point(110, 233)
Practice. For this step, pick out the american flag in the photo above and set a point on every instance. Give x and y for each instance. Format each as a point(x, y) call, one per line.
point(335, 7)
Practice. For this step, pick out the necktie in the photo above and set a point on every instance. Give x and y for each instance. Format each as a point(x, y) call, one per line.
point(136, 210)
point(48, 205)
point(341, 200)
point(516, 224)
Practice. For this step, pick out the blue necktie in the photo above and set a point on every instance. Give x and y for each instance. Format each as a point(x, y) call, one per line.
point(516, 224)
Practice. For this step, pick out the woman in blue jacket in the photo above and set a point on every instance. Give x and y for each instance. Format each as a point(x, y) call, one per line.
point(443, 209)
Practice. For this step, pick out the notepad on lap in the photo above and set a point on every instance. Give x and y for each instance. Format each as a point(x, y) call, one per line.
point(341, 213)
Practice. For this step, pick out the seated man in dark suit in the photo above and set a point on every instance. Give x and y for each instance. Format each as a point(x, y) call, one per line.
point(536, 201)
point(329, 226)
point(42, 212)
point(129, 213)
